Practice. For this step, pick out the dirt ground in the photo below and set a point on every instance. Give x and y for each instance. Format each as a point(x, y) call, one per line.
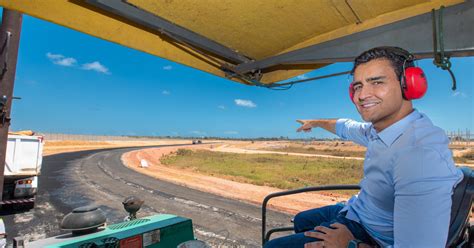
point(225, 188)
point(60, 146)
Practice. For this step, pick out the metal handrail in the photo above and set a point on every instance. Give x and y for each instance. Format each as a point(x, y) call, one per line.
point(265, 237)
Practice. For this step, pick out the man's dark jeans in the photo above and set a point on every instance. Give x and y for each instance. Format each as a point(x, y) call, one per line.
point(308, 220)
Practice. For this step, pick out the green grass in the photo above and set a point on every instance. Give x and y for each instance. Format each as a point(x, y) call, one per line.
point(312, 150)
point(281, 171)
point(465, 158)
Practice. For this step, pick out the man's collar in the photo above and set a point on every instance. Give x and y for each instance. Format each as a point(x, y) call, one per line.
point(391, 133)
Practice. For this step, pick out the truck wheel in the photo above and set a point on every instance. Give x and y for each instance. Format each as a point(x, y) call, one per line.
point(23, 207)
point(28, 206)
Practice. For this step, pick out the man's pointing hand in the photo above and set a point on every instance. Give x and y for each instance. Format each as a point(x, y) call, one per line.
point(328, 124)
point(306, 125)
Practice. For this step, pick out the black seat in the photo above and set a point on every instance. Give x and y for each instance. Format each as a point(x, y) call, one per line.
point(459, 226)
point(461, 233)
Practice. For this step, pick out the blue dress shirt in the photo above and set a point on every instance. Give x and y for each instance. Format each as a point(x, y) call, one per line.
point(409, 177)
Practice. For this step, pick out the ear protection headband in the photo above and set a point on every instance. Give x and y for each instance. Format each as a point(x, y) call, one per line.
point(413, 80)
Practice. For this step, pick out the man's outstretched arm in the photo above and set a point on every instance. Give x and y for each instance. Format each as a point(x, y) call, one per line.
point(328, 124)
point(344, 128)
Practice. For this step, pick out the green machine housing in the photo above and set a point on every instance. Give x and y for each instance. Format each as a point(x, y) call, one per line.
point(156, 231)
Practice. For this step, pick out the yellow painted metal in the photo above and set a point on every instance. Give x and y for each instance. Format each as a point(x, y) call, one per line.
point(76, 15)
point(256, 28)
point(399, 10)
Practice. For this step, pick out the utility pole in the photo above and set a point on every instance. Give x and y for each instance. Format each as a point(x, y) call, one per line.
point(10, 30)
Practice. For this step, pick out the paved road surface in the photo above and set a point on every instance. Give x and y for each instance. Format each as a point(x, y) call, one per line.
point(76, 179)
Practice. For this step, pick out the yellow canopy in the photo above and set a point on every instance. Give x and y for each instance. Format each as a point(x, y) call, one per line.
point(256, 29)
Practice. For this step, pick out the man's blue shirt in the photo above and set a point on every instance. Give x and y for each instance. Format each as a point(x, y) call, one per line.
point(409, 177)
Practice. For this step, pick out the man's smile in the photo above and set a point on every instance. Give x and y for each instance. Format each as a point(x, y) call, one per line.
point(367, 105)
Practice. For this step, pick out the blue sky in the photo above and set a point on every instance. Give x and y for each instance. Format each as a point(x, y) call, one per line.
point(74, 83)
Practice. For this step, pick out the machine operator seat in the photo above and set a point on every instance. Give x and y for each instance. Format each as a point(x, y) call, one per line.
point(459, 226)
point(461, 231)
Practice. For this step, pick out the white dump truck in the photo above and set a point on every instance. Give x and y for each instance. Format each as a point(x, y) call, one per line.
point(23, 161)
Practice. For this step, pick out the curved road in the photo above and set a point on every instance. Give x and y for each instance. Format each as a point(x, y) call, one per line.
point(76, 179)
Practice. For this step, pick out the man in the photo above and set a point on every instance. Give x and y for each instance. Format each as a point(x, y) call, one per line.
point(409, 174)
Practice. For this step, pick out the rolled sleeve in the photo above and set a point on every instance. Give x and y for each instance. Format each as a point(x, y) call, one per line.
point(357, 132)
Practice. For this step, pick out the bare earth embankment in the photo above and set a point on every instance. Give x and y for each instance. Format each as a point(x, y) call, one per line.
point(223, 187)
point(62, 146)
point(219, 186)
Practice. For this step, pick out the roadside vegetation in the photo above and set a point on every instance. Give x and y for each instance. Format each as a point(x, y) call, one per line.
point(281, 171)
point(324, 151)
point(467, 157)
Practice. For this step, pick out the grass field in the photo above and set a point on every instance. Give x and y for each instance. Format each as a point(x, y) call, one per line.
point(325, 151)
point(281, 171)
point(466, 157)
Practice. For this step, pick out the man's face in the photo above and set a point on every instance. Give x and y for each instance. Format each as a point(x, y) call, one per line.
point(377, 94)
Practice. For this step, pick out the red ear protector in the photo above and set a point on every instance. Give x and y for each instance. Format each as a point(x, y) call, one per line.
point(413, 81)
point(351, 92)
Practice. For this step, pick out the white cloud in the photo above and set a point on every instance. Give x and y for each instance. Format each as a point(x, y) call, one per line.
point(59, 59)
point(198, 132)
point(165, 92)
point(221, 107)
point(231, 132)
point(95, 66)
point(245, 103)
point(459, 94)
point(301, 77)
point(66, 62)
point(167, 67)
point(62, 60)
point(54, 56)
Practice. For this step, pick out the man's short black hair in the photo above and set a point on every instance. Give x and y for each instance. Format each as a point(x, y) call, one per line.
point(397, 56)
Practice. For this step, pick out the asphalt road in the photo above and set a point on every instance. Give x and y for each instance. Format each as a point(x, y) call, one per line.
point(76, 179)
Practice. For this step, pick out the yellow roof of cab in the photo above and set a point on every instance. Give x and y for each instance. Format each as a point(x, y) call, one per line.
point(254, 29)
